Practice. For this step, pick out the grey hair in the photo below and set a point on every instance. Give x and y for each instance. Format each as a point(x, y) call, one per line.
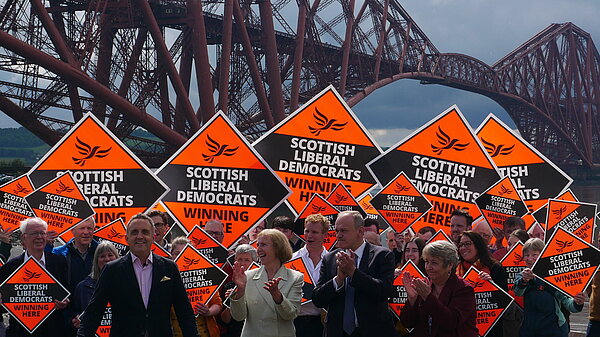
point(444, 251)
point(533, 244)
point(246, 249)
point(180, 241)
point(359, 221)
point(104, 246)
point(29, 221)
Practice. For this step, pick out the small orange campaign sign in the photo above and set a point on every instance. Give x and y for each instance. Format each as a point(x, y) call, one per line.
point(541, 213)
point(578, 218)
point(60, 203)
point(567, 262)
point(500, 202)
point(116, 182)
point(343, 200)
point(106, 323)
point(399, 296)
point(318, 146)
point(217, 174)
point(318, 205)
point(115, 233)
point(13, 208)
point(159, 250)
point(535, 176)
point(446, 162)
point(201, 278)
point(365, 203)
point(298, 264)
point(491, 300)
point(514, 264)
point(208, 246)
point(439, 235)
point(28, 294)
point(400, 203)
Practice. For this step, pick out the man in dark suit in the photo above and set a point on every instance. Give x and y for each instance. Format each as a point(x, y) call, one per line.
point(355, 297)
point(141, 288)
point(34, 238)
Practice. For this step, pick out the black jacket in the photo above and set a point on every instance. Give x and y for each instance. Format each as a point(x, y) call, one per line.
point(373, 283)
point(130, 318)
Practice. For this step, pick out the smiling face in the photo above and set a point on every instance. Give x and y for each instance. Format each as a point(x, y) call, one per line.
point(266, 250)
point(105, 258)
point(140, 235)
point(467, 249)
point(437, 272)
point(313, 234)
point(84, 232)
point(411, 252)
point(35, 237)
point(458, 224)
point(160, 227)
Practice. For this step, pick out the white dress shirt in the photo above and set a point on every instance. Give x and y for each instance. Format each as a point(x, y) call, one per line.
point(309, 309)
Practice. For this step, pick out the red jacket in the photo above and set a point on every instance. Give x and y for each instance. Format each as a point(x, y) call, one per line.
point(452, 314)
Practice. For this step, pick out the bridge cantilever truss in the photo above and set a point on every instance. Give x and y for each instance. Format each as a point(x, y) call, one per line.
point(168, 65)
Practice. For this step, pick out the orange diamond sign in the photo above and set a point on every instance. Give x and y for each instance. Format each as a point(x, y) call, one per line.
point(29, 293)
point(13, 208)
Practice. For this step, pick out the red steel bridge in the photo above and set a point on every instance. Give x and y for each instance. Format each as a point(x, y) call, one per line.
point(168, 65)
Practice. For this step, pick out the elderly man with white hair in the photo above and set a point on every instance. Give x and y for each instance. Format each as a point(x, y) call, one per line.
point(34, 237)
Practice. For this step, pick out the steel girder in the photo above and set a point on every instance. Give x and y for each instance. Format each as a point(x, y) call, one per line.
point(168, 65)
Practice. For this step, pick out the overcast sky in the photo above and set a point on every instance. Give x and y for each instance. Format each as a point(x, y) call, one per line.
point(484, 29)
point(487, 30)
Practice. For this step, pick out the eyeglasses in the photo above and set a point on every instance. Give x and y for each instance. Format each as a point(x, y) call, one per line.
point(35, 234)
point(465, 244)
point(211, 233)
point(159, 224)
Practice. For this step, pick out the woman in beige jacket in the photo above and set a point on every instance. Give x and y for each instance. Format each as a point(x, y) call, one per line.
point(269, 297)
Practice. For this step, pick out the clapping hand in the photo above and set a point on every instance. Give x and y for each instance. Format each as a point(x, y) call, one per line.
point(239, 278)
point(423, 287)
point(409, 286)
point(272, 286)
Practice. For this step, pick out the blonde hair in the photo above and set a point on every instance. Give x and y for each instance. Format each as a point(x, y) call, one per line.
point(283, 250)
point(104, 246)
point(318, 218)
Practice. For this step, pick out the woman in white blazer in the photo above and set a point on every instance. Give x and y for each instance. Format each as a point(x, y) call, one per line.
point(269, 297)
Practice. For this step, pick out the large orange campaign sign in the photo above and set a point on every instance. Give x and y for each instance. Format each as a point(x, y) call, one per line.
point(201, 278)
point(298, 264)
point(578, 218)
point(446, 162)
point(116, 182)
point(535, 176)
point(514, 264)
point(318, 146)
point(400, 203)
point(567, 262)
point(28, 294)
point(60, 203)
point(217, 174)
point(500, 202)
point(13, 207)
point(399, 296)
point(491, 300)
point(343, 200)
point(318, 205)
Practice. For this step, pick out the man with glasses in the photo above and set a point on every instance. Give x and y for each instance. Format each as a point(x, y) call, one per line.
point(34, 237)
point(216, 229)
point(161, 228)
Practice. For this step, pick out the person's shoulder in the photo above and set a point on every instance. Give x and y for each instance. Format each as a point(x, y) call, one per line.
point(55, 258)
point(295, 273)
point(17, 261)
point(61, 250)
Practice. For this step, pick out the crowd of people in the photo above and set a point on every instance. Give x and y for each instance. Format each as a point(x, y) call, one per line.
point(146, 297)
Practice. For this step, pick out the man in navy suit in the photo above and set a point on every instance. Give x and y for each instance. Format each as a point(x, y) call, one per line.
point(355, 283)
point(141, 288)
